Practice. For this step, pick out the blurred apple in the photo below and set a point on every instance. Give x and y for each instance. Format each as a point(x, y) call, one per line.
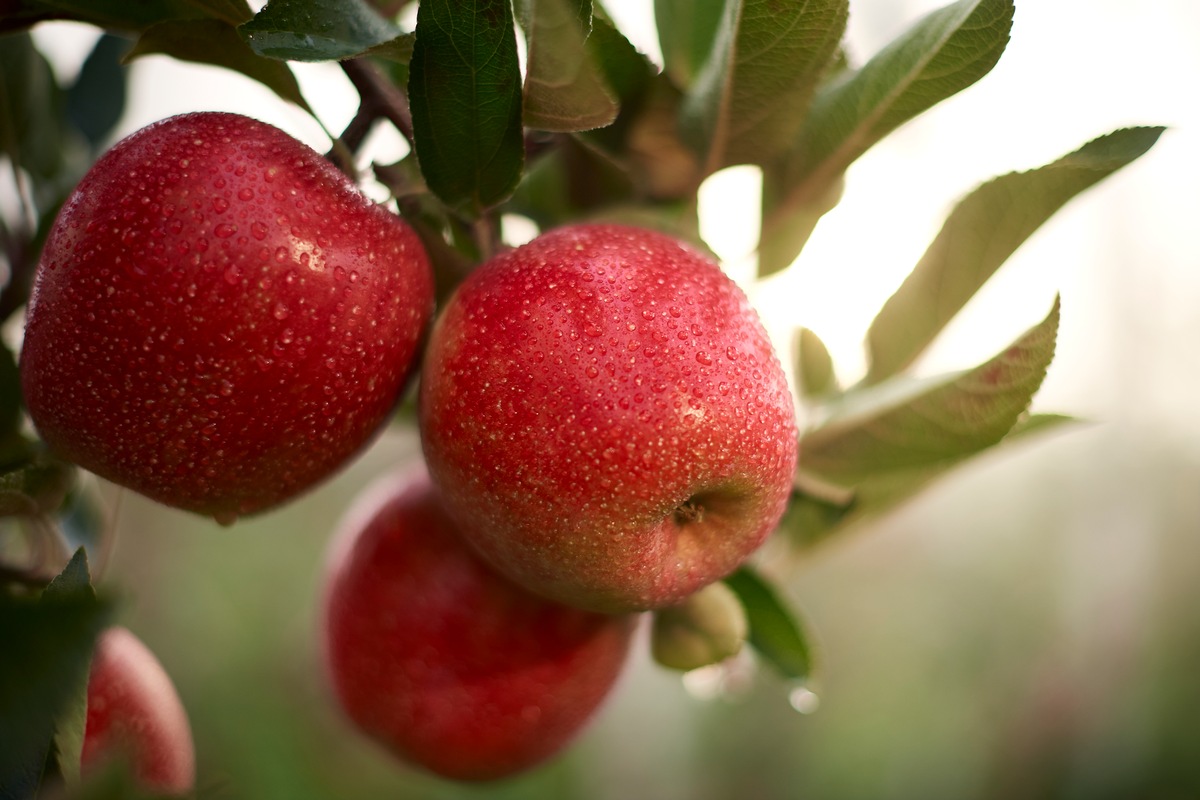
point(134, 713)
point(442, 661)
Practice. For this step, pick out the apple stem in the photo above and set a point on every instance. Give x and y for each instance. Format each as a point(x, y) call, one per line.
point(690, 511)
point(486, 233)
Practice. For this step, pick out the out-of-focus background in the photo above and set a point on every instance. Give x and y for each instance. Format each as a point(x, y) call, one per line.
point(1030, 627)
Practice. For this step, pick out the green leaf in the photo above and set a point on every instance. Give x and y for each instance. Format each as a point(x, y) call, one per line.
point(316, 30)
point(776, 632)
point(686, 31)
point(235, 12)
point(464, 91)
point(47, 652)
point(812, 518)
point(397, 51)
point(752, 95)
point(903, 424)
point(626, 70)
point(118, 15)
point(30, 103)
point(565, 89)
point(74, 581)
point(109, 14)
point(942, 54)
point(571, 181)
point(814, 370)
point(216, 42)
point(979, 235)
point(96, 100)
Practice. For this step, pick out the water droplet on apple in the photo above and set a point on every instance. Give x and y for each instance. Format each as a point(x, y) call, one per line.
point(225, 230)
point(703, 358)
point(245, 194)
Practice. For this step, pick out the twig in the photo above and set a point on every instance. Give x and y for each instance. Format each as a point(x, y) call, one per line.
point(381, 99)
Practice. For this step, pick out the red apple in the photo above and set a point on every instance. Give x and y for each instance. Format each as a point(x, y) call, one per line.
point(134, 713)
point(605, 415)
point(219, 319)
point(442, 661)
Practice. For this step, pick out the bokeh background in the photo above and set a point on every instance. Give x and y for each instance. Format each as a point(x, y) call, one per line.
point(1029, 627)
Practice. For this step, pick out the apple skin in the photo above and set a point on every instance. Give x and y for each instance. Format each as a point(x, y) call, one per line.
point(445, 663)
point(219, 319)
point(605, 415)
point(135, 713)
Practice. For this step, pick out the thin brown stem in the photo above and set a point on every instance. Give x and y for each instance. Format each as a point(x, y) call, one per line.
point(380, 98)
point(486, 233)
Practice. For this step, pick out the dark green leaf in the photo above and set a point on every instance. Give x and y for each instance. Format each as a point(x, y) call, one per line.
point(625, 69)
point(775, 630)
point(979, 235)
point(97, 98)
point(216, 42)
point(628, 73)
point(942, 54)
point(905, 424)
point(465, 94)
point(812, 519)
point(814, 372)
point(398, 51)
point(316, 30)
point(235, 12)
point(686, 31)
point(120, 15)
point(565, 89)
point(752, 95)
point(30, 104)
point(47, 650)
